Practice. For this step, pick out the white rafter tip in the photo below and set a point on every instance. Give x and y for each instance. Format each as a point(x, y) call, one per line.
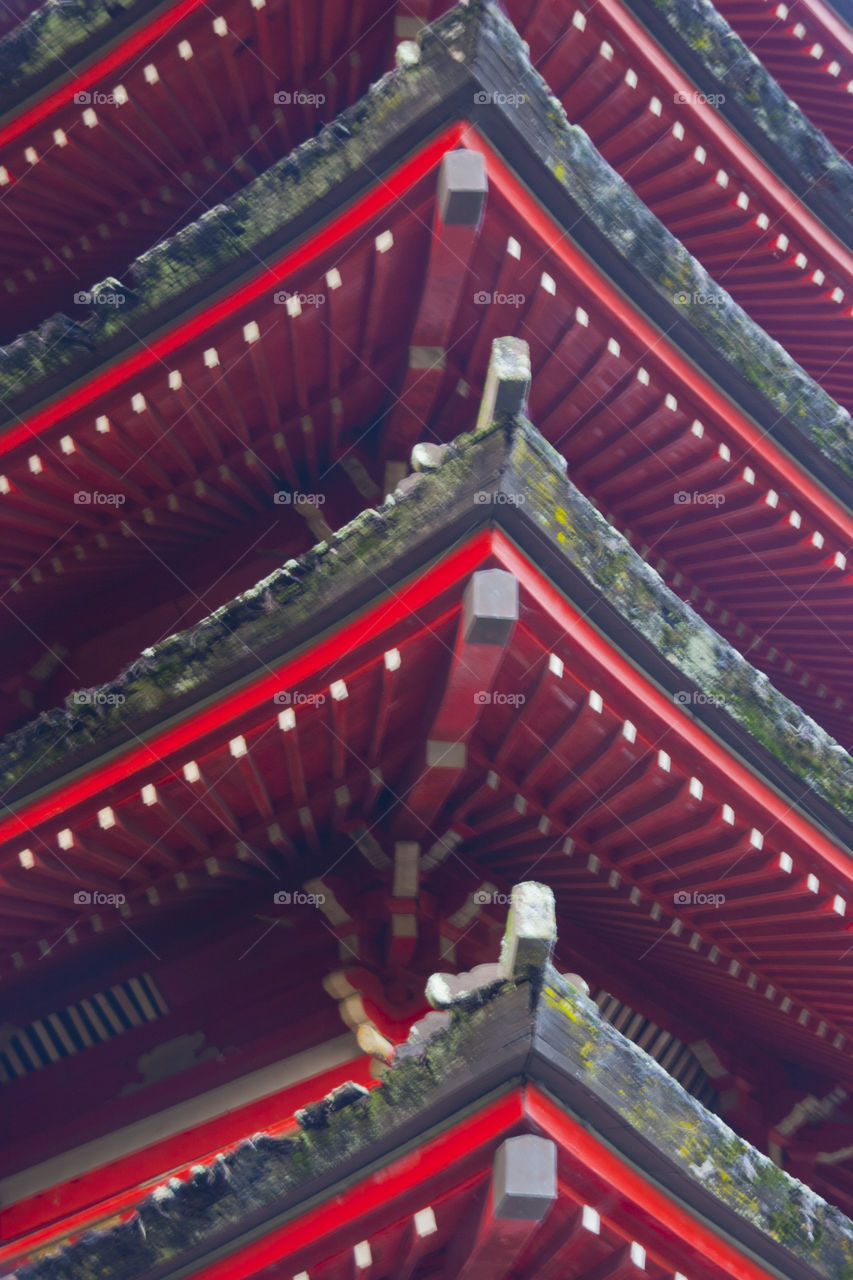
point(643, 376)
point(293, 306)
point(106, 818)
point(582, 317)
point(220, 27)
point(138, 402)
point(65, 839)
point(590, 1220)
point(67, 445)
point(90, 118)
point(287, 720)
point(696, 789)
point(638, 1255)
point(251, 331)
point(191, 771)
point(211, 358)
point(392, 659)
point(555, 666)
point(756, 839)
point(149, 794)
point(629, 731)
point(425, 1223)
point(175, 380)
point(333, 278)
point(613, 347)
point(548, 283)
point(384, 241)
point(185, 50)
point(362, 1255)
point(812, 883)
point(664, 761)
point(338, 690)
point(839, 905)
point(27, 859)
point(786, 863)
point(655, 106)
point(237, 747)
point(152, 75)
point(36, 465)
point(595, 702)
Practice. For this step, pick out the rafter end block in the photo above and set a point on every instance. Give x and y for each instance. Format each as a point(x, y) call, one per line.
point(490, 607)
point(524, 1178)
point(462, 188)
point(531, 932)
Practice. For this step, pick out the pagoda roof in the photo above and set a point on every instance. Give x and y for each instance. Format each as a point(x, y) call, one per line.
point(236, 325)
point(115, 129)
point(518, 1051)
point(808, 50)
point(777, 259)
point(663, 718)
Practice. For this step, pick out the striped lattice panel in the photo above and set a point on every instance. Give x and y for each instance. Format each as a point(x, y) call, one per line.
point(91, 1021)
point(672, 1054)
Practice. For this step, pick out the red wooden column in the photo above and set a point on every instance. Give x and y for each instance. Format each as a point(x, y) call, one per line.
point(522, 1190)
point(460, 201)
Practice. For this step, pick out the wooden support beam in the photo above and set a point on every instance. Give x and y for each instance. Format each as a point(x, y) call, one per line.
point(418, 1239)
point(523, 1188)
point(460, 202)
point(489, 614)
